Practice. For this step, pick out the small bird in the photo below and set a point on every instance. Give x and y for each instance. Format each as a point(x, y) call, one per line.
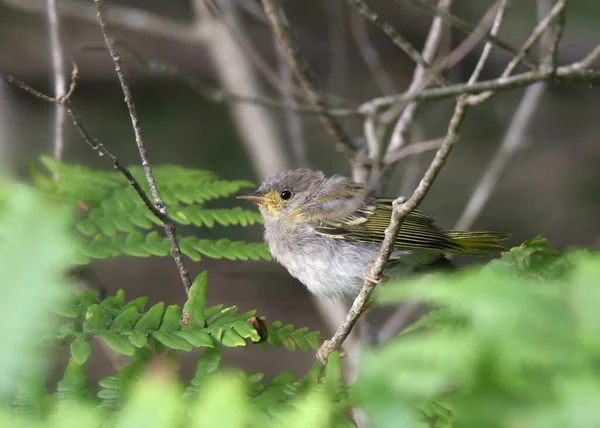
point(326, 231)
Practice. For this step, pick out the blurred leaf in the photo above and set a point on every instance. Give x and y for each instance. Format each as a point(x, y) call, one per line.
point(34, 248)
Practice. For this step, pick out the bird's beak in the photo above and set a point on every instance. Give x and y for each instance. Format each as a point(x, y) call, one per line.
point(257, 199)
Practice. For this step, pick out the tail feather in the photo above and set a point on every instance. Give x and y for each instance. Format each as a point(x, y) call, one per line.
point(477, 243)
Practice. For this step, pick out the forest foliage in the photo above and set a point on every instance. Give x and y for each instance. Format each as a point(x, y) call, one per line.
point(512, 343)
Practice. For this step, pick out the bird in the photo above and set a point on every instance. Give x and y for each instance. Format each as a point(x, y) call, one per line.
point(326, 231)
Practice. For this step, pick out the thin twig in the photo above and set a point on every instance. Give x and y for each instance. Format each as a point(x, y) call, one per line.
point(360, 33)
point(292, 118)
point(58, 77)
point(449, 61)
point(466, 27)
point(515, 134)
point(399, 136)
point(91, 141)
point(574, 73)
point(396, 38)
point(510, 145)
point(306, 76)
point(168, 224)
point(535, 35)
point(400, 210)
point(412, 149)
point(487, 48)
point(551, 38)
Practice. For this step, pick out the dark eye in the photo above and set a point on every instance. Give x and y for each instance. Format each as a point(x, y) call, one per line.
point(286, 194)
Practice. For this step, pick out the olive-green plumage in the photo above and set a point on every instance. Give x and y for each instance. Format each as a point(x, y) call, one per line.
point(327, 230)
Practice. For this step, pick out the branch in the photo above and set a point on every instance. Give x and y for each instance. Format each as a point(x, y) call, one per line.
point(396, 38)
point(91, 141)
point(168, 224)
point(517, 128)
point(399, 136)
point(466, 27)
point(306, 76)
point(510, 145)
point(131, 18)
point(369, 54)
point(449, 61)
point(536, 34)
point(400, 210)
point(58, 76)
point(574, 73)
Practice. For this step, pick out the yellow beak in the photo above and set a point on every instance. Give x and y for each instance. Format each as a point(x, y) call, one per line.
point(260, 200)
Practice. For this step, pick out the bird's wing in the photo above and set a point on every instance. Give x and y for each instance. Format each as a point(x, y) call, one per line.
point(368, 223)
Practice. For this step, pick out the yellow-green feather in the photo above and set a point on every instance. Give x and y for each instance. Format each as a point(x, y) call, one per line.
point(418, 231)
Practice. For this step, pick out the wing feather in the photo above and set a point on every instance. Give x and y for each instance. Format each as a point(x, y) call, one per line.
point(368, 224)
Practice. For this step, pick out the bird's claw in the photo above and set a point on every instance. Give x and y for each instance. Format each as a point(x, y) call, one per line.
point(372, 279)
point(325, 351)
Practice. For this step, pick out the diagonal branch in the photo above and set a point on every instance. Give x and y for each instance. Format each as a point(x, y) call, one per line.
point(400, 211)
point(465, 27)
point(168, 224)
point(399, 136)
point(306, 76)
point(396, 38)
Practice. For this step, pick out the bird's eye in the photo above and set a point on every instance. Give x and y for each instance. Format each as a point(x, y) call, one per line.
point(286, 194)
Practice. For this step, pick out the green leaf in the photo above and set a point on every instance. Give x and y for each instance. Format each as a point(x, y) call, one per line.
point(125, 320)
point(151, 319)
point(196, 337)
point(35, 246)
point(73, 386)
point(95, 320)
point(171, 320)
point(194, 306)
point(172, 340)
point(118, 343)
point(80, 350)
point(231, 339)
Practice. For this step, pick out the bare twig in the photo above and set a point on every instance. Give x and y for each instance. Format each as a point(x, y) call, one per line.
point(359, 31)
point(128, 17)
point(551, 38)
point(514, 135)
point(400, 134)
point(58, 77)
point(168, 224)
point(400, 211)
point(465, 27)
point(292, 119)
point(337, 79)
point(535, 35)
point(91, 141)
point(396, 38)
point(574, 73)
point(510, 145)
point(412, 149)
point(455, 56)
point(487, 48)
point(306, 76)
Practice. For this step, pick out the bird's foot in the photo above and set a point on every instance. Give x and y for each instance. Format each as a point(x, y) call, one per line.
point(372, 279)
point(325, 351)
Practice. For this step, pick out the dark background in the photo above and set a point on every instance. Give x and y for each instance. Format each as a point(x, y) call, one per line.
point(551, 187)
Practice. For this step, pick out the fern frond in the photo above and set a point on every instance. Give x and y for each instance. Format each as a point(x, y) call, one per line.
point(73, 386)
point(117, 222)
point(289, 338)
point(137, 244)
point(31, 397)
point(114, 389)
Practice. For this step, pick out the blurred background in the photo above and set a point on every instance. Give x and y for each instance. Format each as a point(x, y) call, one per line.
point(550, 187)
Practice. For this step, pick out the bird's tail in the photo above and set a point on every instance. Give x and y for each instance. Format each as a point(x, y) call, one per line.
point(477, 243)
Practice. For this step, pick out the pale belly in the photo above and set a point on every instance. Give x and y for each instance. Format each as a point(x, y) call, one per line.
point(335, 270)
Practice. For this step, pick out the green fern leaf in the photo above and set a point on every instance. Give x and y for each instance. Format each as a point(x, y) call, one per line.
point(80, 350)
point(73, 386)
point(31, 398)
